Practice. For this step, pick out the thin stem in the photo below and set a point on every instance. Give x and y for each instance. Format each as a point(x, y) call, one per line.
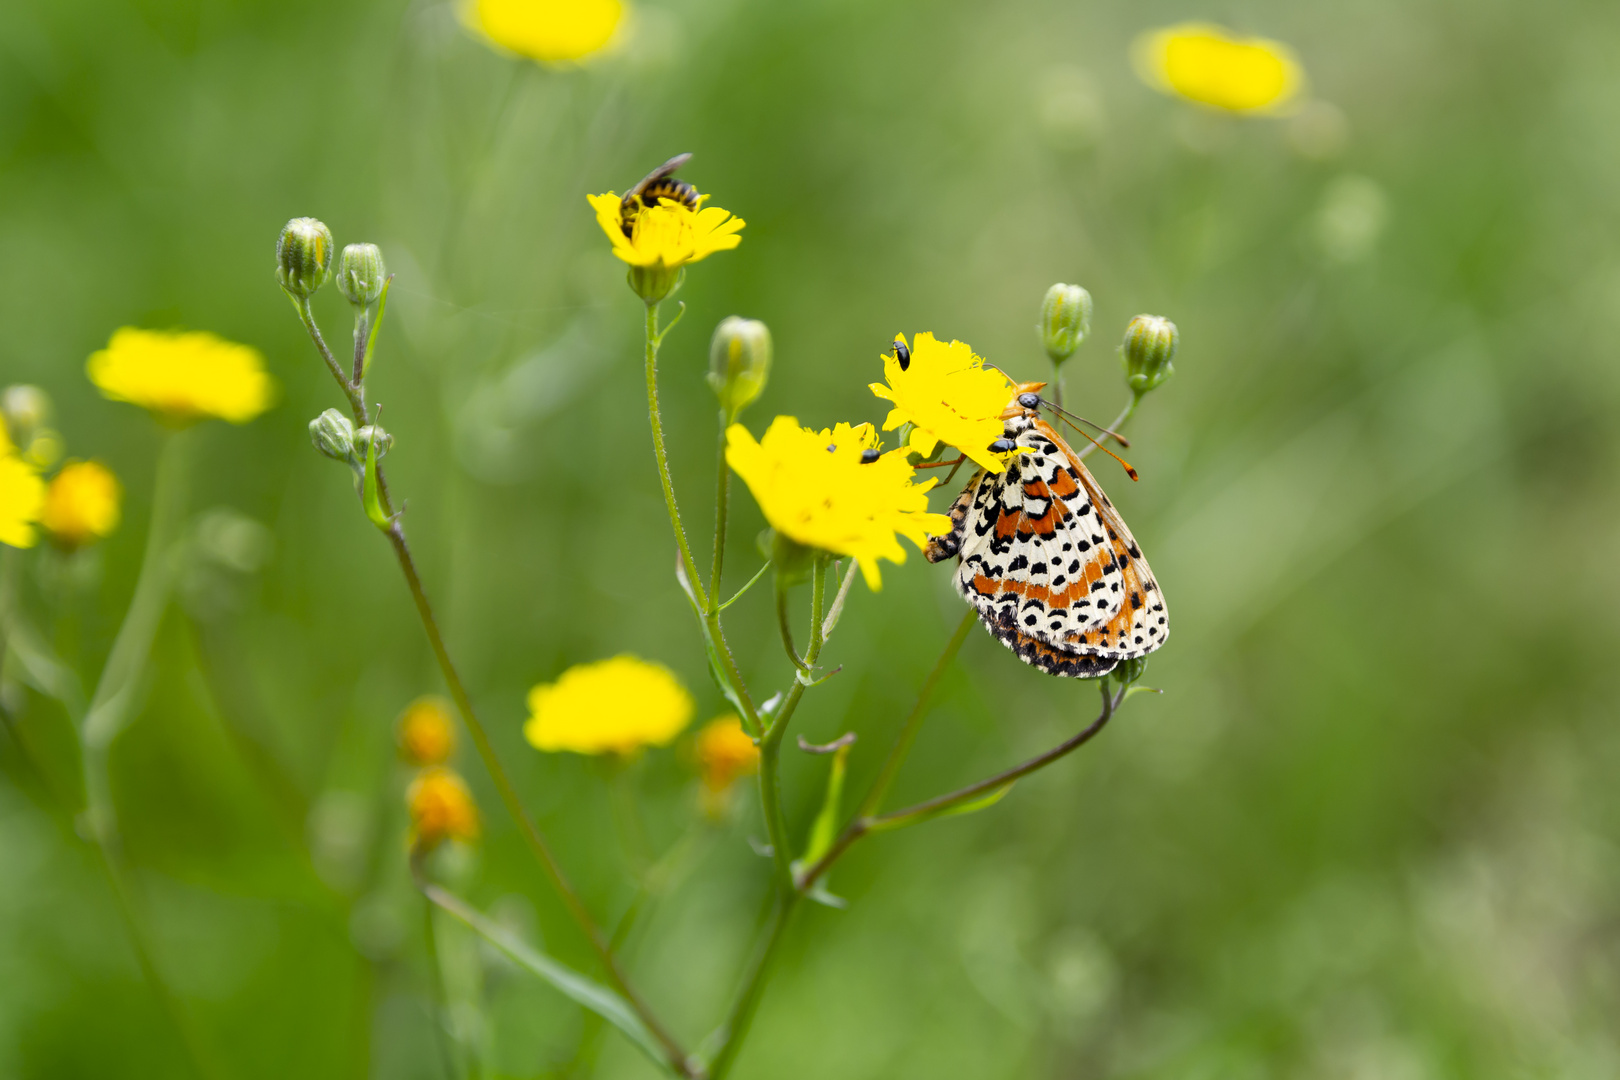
point(738, 594)
point(908, 730)
point(352, 390)
point(662, 456)
point(752, 988)
point(441, 1003)
point(770, 744)
point(922, 811)
point(514, 806)
point(784, 626)
point(1124, 414)
point(717, 637)
point(116, 688)
point(722, 499)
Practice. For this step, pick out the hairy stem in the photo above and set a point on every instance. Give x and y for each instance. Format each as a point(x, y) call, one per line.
point(770, 744)
point(722, 499)
point(741, 1014)
point(662, 455)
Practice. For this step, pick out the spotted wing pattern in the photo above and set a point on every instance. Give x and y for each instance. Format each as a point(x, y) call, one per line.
point(1049, 564)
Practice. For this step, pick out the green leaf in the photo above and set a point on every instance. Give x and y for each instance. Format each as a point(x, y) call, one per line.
point(983, 802)
point(825, 829)
point(376, 324)
point(571, 984)
point(372, 495)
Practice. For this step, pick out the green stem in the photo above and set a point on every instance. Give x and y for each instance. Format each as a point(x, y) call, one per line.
point(1124, 414)
point(930, 808)
point(441, 1003)
point(741, 1015)
point(662, 456)
point(514, 806)
point(784, 626)
point(354, 391)
point(770, 744)
point(722, 499)
point(118, 684)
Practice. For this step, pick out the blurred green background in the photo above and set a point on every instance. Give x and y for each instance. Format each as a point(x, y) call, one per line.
point(1368, 830)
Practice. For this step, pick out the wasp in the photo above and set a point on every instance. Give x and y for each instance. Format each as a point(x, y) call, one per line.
point(658, 184)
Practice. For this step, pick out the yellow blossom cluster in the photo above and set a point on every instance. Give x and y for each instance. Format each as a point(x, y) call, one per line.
point(1213, 66)
point(725, 754)
point(81, 504)
point(551, 31)
point(948, 395)
point(22, 496)
point(441, 808)
point(668, 235)
point(426, 732)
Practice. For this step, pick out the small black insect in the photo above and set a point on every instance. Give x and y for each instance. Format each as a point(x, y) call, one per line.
point(658, 184)
point(869, 455)
point(1029, 401)
point(902, 354)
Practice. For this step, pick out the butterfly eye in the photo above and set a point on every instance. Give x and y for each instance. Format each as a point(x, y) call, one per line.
point(869, 456)
point(1003, 446)
point(1029, 401)
point(902, 354)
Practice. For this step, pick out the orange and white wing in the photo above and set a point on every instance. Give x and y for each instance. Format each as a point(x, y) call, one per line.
point(1045, 556)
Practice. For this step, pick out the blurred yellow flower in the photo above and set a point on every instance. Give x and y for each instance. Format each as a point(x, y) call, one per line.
point(725, 754)
point(441, 808)
point(22, 496)
point(81, 504)
point(668, 235)
point(553, 31)
point(948, 395)
point(426, 732)
point(182, 376)
point(610, 706)
point(1212, 66)
point(831, 490)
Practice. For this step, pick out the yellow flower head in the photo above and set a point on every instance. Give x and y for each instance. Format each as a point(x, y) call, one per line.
point(81, 504)
point(426, 732)
point(949, 397)
point(441, 809)
point(183, 376)
point(725, 753)
point(822, 489)
point(552, 31)
point(668, 235)
point(22, 496)
point(1213, 66)
point(610, 706)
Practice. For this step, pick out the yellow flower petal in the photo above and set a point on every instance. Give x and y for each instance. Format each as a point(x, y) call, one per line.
point(950, 397)
point(813, 487)
point(22, 496)
point(1212, 66)
point(670, 234)
point(81, 504)
point(610, 706)
point(183, 376)
point(441, 808)
point(552, 31)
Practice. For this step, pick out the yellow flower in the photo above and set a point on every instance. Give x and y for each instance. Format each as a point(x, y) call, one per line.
point(725, 754)
point(81, 504)
point(668, 235)
point(554, 31)
point(949, 396)
point(182, 376)
point(610, 706)
point(426, 732)
point(22, 496)
point(441, 809)
point(1213, 66)
point(818, 488)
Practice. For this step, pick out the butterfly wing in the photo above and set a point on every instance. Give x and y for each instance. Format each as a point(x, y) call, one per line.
point(1047, 558)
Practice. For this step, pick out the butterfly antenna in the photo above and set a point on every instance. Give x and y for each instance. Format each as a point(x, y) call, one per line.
point(1130, 472)
point(1074, 418)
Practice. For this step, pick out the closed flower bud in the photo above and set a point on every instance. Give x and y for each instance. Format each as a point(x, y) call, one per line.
point(361, 274)
point(24, 408)
point(1127, 672)
point(364, 437)
point(303, 257)
point(441, 808)
point(1150, 345)
point(333, 435)
point(426, 733)
point(739, 362)
point(656, 282)
point(1065, 320)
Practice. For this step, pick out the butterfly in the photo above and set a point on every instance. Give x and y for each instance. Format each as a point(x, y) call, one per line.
point(1045, 558)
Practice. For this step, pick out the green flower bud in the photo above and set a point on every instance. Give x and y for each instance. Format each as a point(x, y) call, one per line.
point(739, 361)
point(791, 560)
point(655, 283)
point(24, 408)
point(364, 437)
point(1127, 672)
point(303, 257)
point(1150, 345)
point(1065, 320)
point(361, 274)
point(332, 433)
